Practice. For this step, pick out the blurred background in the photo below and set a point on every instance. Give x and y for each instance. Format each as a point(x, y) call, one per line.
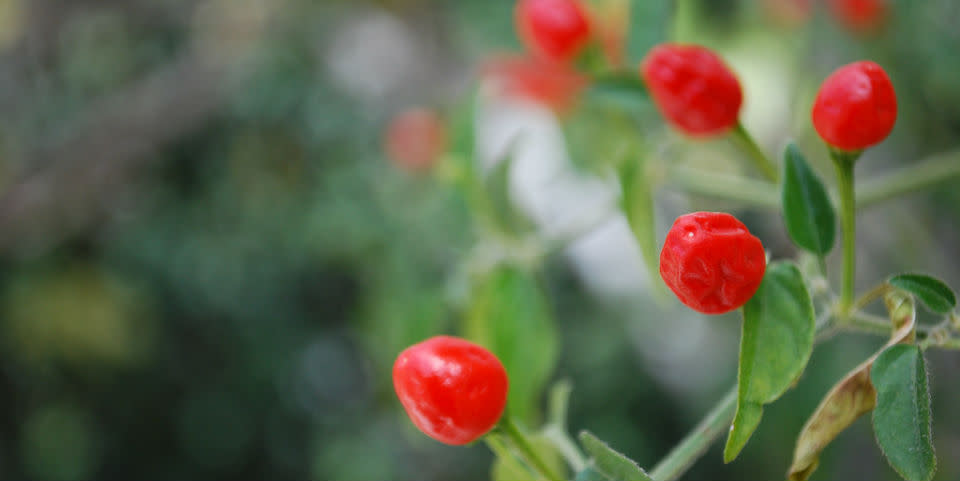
point(208, 264)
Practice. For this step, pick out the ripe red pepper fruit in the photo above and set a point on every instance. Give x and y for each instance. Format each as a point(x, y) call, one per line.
point(856, 107)
point(693, 88)
point(452, 389)
point(554, 85)
point(415, 139)
point(712, 262)
point(554, 29)
point(859, 15)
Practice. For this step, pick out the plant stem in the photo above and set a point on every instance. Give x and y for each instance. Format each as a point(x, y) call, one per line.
point(918, 176)
point(684, 454)
point(863, 322)
point(760, 160)
point(728, 187)
point(870, 296)
point(519, 440)
point(848, 207)
point(568, 449)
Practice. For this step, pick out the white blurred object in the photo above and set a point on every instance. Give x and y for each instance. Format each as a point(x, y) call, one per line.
point(373, 55)
point(545, 186)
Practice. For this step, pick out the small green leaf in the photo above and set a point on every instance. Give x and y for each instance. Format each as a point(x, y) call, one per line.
point(611, 463)
point(901, 419)
point(932, 292)
point(776, 343)
point(807, 210)
point(510, 315)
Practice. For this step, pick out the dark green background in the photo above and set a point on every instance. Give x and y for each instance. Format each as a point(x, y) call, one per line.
point(207, 266)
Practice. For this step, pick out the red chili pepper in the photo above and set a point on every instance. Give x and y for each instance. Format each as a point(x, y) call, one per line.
point(555, 29)
point(452, 389)
point(856, 106)
point(712, 262)
point(693, 88)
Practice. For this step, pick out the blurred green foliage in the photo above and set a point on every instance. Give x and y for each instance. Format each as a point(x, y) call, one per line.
point(219, 292)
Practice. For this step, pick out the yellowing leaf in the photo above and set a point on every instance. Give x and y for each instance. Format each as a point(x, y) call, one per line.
point(850, 398)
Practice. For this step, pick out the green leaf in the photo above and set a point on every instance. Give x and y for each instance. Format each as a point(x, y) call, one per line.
point(611, 463)
point(807, 210)
point(776, 343)
point(509, 314)
point(901, 419)
point(932, 292)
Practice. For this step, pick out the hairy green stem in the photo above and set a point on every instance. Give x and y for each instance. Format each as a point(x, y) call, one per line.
point(870, 296)
point(510, 429)
point(684, 454)
point(759, 159)
point(926, 173)
point(848, 207)
point(568, 449)
point(915, 177)
point(728, 187)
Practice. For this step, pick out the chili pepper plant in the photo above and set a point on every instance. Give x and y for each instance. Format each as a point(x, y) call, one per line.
point(484, 387)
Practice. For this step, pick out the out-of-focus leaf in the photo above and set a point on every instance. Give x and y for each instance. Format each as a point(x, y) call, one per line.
point(776, 343)
point(850, 398)
point(618, 89)
point(932, 292)
point(901, 419)
point(807, 210)
point(638, 206)
point(610, 462)
point(510, 316)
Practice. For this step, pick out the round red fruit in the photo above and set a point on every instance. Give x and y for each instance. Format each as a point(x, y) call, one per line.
point(415, 139)
point(452, 389)
point(555, 29)
point(712, 262)
point(856, 107)
point(693, 88)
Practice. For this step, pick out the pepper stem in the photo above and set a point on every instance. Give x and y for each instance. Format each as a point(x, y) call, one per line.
point(760, 160)
point(843, 162)
point(520, 441)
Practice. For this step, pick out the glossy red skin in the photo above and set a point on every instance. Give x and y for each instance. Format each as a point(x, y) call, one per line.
point(415, 139)
point(555, 29)
point(859, 15)
point(856, 107)
point(712, 262)
point(452, 389)
point(554, 85)
point(693, 88)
